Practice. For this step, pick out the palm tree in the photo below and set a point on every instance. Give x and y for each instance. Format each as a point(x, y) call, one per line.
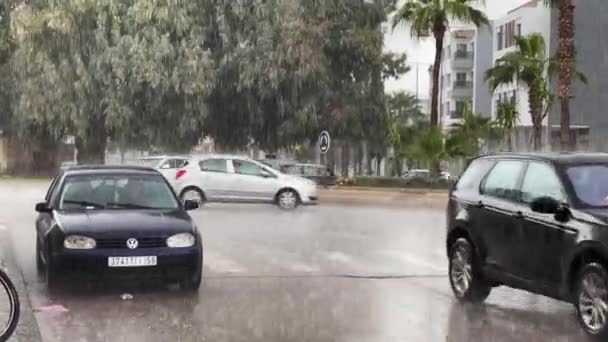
point(565, 59)
point(428, 147)
point(432, 17)
point(466, 136)
point(527, 64)
point(403, 118)
point(506, 120)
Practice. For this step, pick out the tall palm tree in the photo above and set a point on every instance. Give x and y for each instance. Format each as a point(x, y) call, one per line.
point(527, 64)
point(506, 120)
point(565, 59)
point(403, 119)
point(432, 18)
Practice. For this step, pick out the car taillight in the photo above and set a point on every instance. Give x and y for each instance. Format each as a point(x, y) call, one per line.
point(179, 174)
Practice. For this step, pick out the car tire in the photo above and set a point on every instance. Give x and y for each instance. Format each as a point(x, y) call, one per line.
point(199, 192)
point(39, 261)
point(591, 300)
point(466, 279)
point(192, 283)
point(50, 274)
point(288, 199)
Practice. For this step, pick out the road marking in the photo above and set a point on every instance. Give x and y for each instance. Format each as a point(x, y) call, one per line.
point(221, 264)
point(410, 259)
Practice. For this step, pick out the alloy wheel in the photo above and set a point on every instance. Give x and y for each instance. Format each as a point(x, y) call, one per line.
point(593, 302)
point(288, 200)
point(461, 272)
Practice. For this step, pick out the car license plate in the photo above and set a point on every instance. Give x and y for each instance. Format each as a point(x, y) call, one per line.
point(132, 261)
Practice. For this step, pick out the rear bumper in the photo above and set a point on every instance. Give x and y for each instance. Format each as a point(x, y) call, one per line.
point(172, 264)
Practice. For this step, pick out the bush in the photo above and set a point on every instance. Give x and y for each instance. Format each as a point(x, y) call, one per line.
point(396, 182)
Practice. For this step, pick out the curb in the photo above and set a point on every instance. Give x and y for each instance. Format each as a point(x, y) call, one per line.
point(27, 329)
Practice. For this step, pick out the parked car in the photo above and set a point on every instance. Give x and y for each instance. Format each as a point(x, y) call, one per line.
point(320, 174)
point(425, 173)
point(227, 178)
point(166, 165)
point(111, 222)
point(534, 222)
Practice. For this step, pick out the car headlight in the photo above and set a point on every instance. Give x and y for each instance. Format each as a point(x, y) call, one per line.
point(181, 240)
point(79, 242)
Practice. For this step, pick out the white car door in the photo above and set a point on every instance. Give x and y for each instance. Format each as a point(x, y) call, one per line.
point(215, 178)
point(253, 181)
point(168, 168)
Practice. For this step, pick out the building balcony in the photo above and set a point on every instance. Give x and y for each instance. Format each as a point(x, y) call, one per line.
point(462, 89)
point(463, 60)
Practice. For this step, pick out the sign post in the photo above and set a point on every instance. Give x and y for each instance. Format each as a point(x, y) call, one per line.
point(324, 142)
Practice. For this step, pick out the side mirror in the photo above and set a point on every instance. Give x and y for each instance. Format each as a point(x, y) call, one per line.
point(190, 205)
point(545, 205)
point(42, 207)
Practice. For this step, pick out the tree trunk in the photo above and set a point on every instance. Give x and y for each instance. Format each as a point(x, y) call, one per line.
point(566, 59)
point(44, 155)
point(92, 145)
point(438, 32)
point(345, 160)
point(536, 113)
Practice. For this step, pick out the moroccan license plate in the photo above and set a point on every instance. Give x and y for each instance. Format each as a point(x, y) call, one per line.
point(132, 261)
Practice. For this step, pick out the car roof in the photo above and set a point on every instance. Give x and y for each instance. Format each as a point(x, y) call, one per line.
point(91, 169)
point(222, 156)
point(164, 157)
point(556, 157)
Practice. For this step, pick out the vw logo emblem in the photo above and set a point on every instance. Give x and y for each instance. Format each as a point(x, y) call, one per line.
point(132, 243)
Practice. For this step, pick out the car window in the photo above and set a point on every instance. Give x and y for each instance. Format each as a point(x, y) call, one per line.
point(502, 180)
point(213, 165)
point(474, 173)
point(244, 167)
point(150, 162)
point(590, 183)
point(116, 192)
point(541, 180)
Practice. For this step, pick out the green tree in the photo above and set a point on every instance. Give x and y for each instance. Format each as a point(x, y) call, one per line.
point(404, 118)
point(132, 71)
point(467, 136)
point(507, 118)
point(528, 64)
point(432, 18)
point(428, 147)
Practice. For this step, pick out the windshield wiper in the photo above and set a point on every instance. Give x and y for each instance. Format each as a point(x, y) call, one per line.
point(127, 205)
point(84, 203)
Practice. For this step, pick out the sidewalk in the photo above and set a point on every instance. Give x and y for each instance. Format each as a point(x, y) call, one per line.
point(27, 329)
point(384, 197)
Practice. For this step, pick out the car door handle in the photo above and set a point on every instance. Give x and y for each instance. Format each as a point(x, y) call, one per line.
point(479, 204)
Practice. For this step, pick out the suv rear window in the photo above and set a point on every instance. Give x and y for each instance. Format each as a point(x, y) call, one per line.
point(474, 173)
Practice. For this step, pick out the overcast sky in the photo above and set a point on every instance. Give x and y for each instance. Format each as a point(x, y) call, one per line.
point(421, 53)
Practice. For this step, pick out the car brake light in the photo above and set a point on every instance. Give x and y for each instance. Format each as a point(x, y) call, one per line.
point(179, 174)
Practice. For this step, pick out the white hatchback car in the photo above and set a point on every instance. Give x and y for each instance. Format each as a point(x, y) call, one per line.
point(166, 165)
point(223, 178)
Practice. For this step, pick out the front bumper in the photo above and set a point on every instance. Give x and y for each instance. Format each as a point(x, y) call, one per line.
point(310, 197)
point(173, 264)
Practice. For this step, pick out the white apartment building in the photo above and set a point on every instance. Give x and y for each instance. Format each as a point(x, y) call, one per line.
point(466, 50)
point(531, 17)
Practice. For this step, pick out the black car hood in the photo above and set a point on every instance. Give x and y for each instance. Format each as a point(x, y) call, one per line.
point(116, 222)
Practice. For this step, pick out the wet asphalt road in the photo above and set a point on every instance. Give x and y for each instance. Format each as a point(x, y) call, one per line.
point(326, 273)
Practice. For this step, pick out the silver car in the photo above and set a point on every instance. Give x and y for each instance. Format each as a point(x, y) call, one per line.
point(224, 178)
point(166, 165)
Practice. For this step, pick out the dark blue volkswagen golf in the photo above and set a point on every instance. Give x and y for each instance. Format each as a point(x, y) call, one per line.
point(117, 222)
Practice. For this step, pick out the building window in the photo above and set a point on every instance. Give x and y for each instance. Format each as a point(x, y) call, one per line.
point(514, 97)
point(509, 34)
point(518, 30)
point(499, 37)
point(448, 79)
point(447, 108)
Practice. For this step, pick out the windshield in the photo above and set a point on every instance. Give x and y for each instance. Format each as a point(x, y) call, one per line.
point(116, 192)
point(590, 183)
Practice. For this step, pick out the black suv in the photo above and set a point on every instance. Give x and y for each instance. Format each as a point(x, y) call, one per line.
point(534, 222)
